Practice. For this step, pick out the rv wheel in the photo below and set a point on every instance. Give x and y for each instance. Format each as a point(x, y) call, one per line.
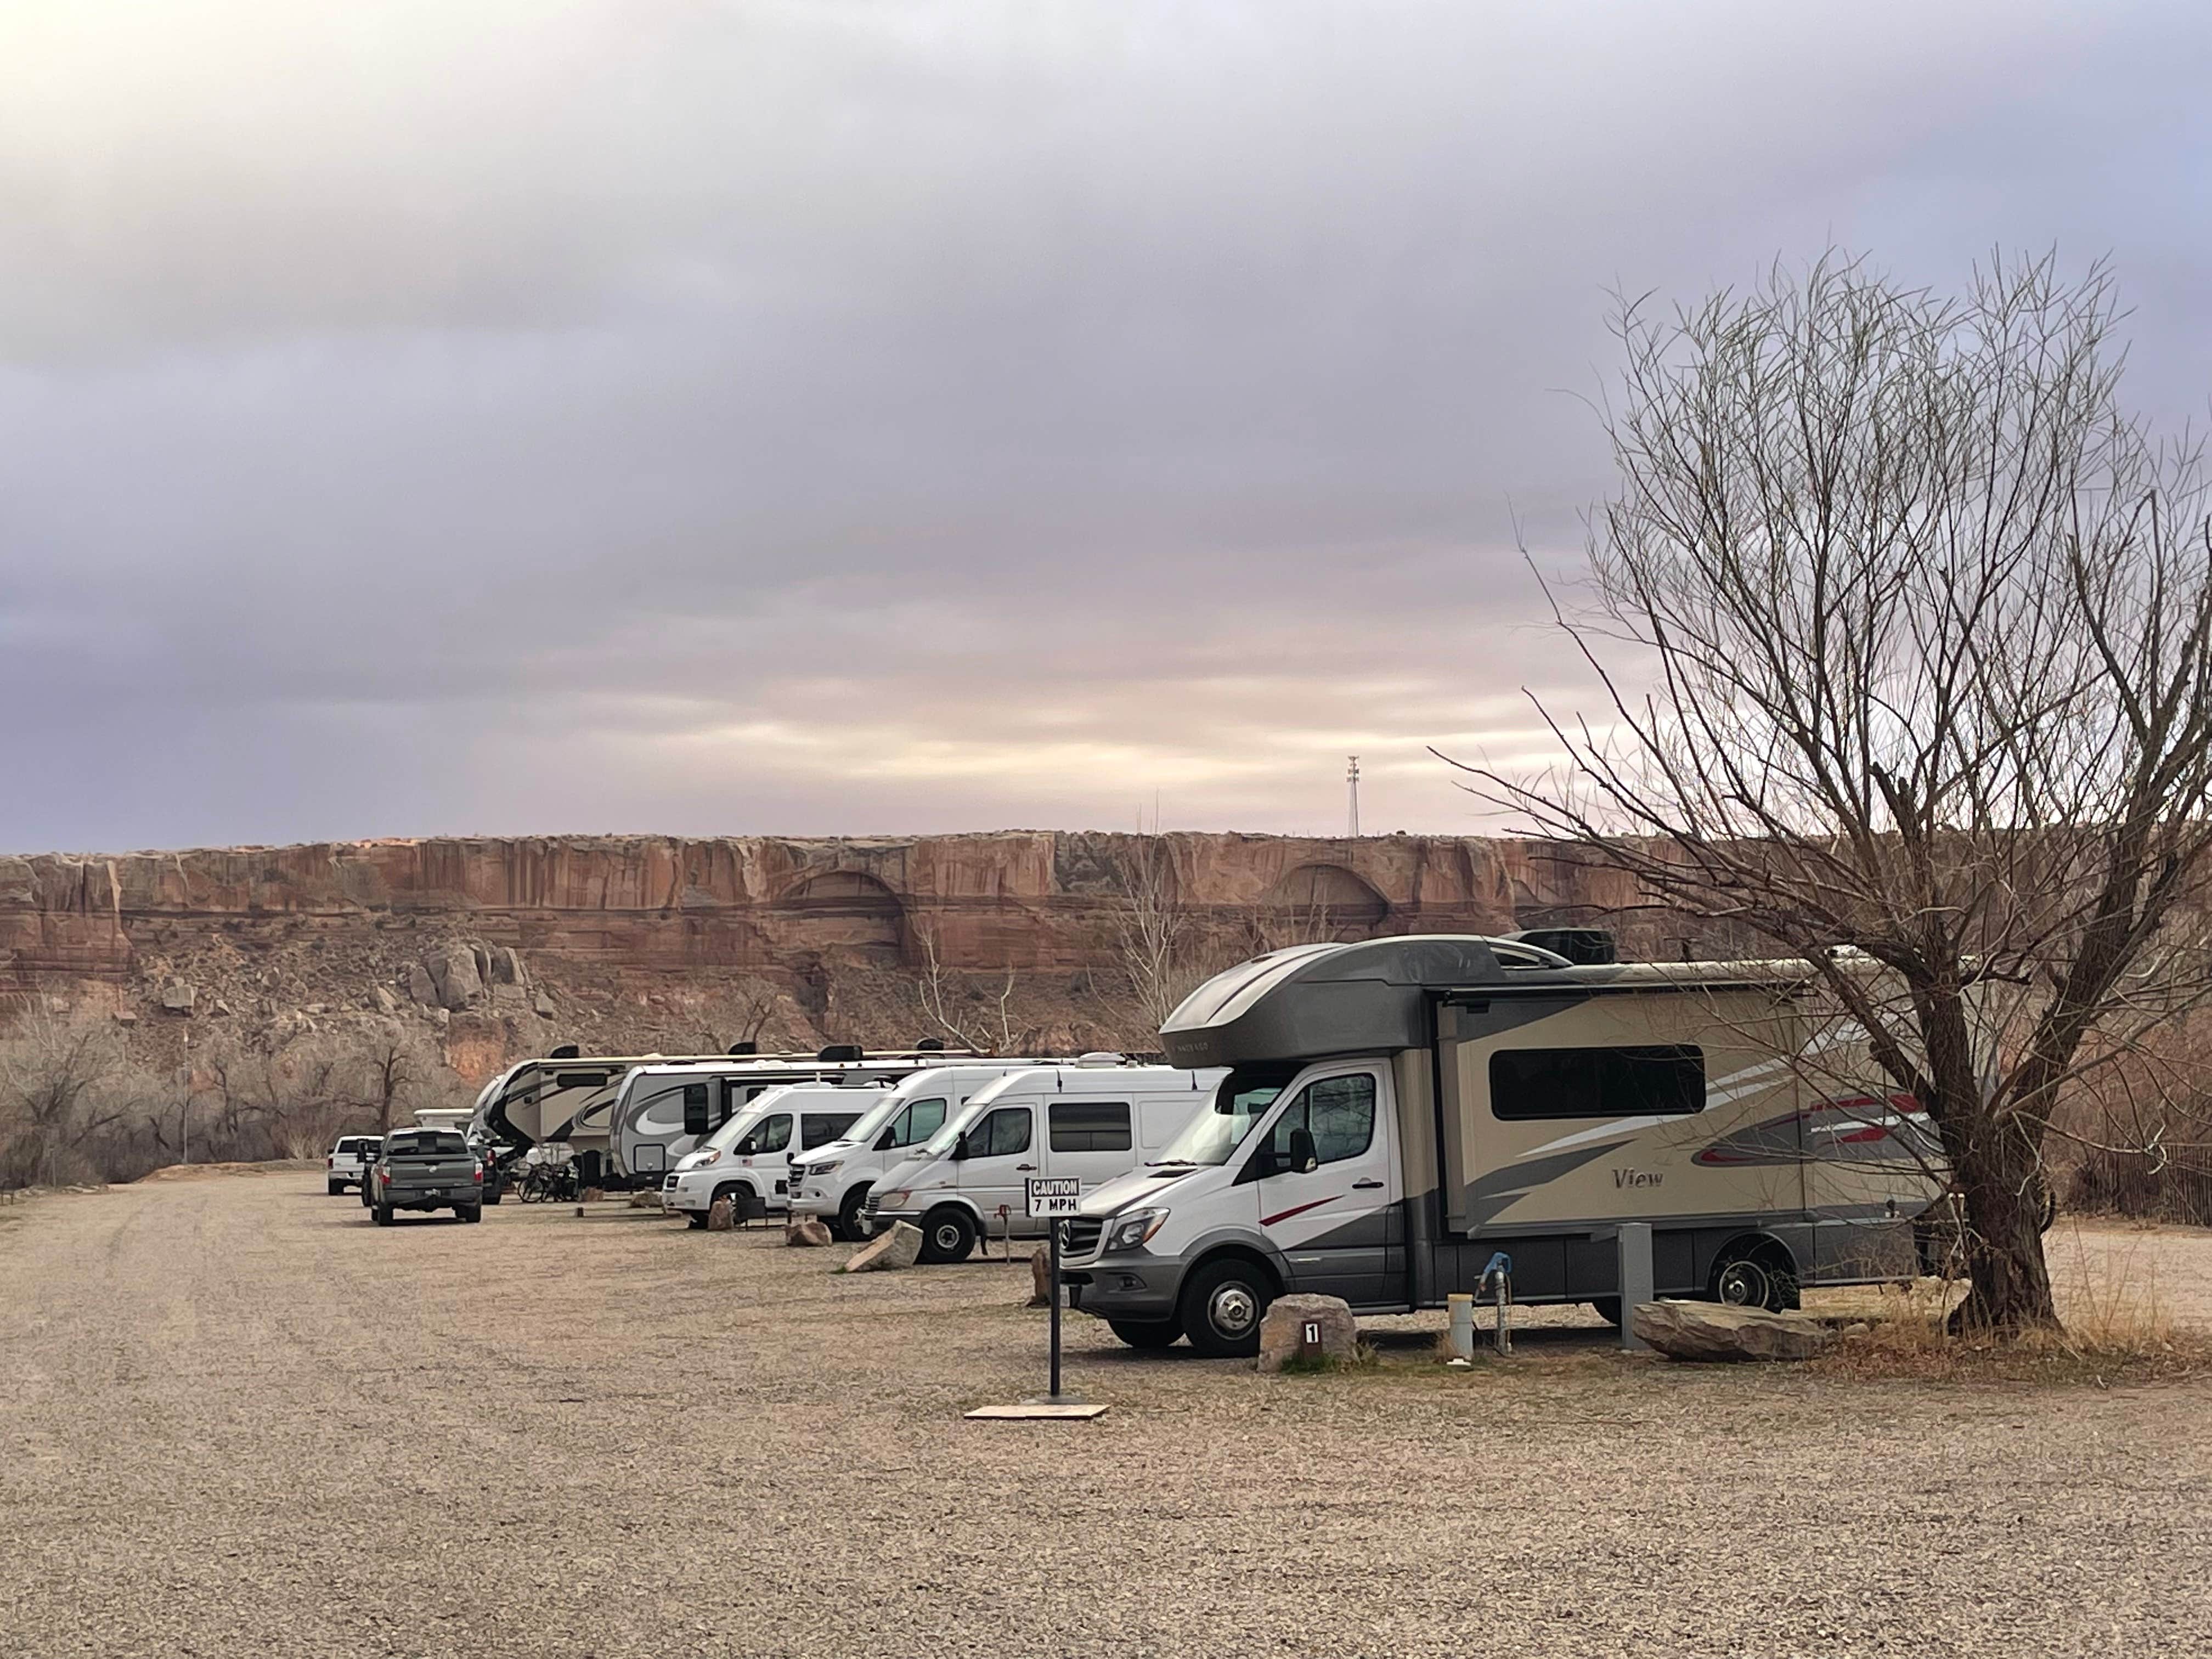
point(1222, 1307)
point(1758, 1277)
point(383, 1214)
point(851, 1224)
point(947, 1235)
point(1608, 1308)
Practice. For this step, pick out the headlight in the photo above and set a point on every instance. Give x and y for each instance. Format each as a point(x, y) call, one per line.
point(705, 1158)
point(813, 1170)
point(1129, 1230)
point(893, 1201)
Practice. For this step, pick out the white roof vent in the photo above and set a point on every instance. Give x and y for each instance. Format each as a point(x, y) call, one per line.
point(1102, 1057)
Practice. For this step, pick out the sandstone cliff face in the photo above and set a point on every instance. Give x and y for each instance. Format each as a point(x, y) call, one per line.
point(627, 938)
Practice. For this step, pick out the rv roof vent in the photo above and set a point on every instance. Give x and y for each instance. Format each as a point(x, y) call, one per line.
point(839, 1051)
point(930, 1046)
point(1585, 946)
point(566, 1051)
point(745, 1047)
point(1102, 1057)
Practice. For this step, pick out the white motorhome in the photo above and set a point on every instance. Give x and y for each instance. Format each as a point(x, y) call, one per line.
point(833, 1181)
point(662, 1112)
point(748, 1159)
point(1399, 1110)
point(1094, 1119)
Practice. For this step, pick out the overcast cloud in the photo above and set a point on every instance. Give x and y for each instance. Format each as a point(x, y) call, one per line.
point(502, 416)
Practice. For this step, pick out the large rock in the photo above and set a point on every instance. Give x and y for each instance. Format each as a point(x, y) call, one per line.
point(899, 1248)
point(453, 975)
point(1714, 1331)
point(806, 1233)
point(718, 1216)
point(1041, 1277)
point(1282, 1329)
point(177, 997)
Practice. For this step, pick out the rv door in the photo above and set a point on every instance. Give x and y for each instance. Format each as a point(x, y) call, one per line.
point(1328, 1178)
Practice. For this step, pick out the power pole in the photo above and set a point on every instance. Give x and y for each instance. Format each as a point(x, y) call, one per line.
point(1352, 780)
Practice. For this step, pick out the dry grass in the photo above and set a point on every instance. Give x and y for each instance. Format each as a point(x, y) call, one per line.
point(2118, 1326)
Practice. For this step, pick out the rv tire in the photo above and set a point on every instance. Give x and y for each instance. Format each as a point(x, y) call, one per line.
point(1608, 1308)
point(337, 1187)
point(1148, 1333)
point(472, 1212)
point(382, 1213)
point(948, 1234)
point(1755, 1274)
point(695, 1219)
point(1223, 1304)
point(850, 1225)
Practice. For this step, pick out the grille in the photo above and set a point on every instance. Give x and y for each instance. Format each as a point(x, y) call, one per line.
point(872, 1205)
point(1081, 1237)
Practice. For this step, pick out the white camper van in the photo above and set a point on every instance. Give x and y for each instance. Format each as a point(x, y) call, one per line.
point(834, 1182)
point(750, 1157)
point(662, 1112)
point(1399, 1110)
point(1094, 1119)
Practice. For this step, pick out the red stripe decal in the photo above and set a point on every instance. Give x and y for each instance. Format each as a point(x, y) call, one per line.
point(1285, 1215)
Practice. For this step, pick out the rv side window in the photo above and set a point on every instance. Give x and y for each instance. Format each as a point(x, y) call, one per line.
point(820, 1128)
point(695, 1109)
point(771, 1134)
point(1089, 1126)
point(1001, 1131)
point(1338, 1111)
point(1533, 1084)
point(918, 1121)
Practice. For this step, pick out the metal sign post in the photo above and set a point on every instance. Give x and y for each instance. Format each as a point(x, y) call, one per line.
point(1051, 1197)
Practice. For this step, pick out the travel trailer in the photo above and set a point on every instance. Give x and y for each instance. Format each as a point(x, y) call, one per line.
point(1400, 1111)
point(750, 1157)
point(833, 1181)
point(662, 1112)
point(1096, 1118)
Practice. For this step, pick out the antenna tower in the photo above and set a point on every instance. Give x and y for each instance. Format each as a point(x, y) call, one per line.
point(1352, 782)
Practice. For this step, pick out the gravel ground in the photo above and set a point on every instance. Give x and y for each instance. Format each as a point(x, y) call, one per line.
point(235, 1417)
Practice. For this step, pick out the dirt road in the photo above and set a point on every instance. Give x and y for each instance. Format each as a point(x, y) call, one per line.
point(235, 1418)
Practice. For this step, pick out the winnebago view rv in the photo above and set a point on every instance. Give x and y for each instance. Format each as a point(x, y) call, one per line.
point(1399, 1110)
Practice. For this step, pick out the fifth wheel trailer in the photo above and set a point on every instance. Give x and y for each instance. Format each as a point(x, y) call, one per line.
point(1398, 1111)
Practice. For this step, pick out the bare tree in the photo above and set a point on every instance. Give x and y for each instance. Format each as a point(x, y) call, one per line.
point(57, 1073)
point(1154, 932)
point(931, 991)
point(1925, 619)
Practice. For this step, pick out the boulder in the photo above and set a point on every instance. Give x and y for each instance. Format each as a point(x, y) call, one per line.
point(899, 1248)
point(718, 1216)
point(1282, 1329)
point(453, 975)
point(384, 1001)
point(542, 1006)
point(1041, 1277)
point(645, 1198)
point(177, 997)
point(506, 966)
point(1715, 1331)
point(806, 1233)
point(421, 986)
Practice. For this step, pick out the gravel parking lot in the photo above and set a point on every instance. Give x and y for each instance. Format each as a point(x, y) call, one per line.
point(235, 1417)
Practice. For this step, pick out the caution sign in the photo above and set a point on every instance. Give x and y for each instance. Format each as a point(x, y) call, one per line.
point(1052, 1196)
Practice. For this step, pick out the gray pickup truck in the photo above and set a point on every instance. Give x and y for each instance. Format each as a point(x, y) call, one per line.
point(425, 1170)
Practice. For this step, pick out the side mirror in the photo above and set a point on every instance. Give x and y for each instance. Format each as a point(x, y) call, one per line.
point(960, 1147)
point(883, 1141)
point(1304, 1158)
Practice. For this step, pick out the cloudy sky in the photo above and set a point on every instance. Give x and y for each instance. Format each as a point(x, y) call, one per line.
point(701, 416)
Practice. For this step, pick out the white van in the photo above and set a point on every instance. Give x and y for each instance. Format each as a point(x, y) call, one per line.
point(834, 1182)
point(1095, 1118)
point(751, 1153)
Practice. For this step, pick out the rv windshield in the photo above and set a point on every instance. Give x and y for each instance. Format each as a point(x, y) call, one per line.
point(1239, 1104)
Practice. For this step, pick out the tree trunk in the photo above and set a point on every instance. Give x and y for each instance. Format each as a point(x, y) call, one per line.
point(2008, 1282)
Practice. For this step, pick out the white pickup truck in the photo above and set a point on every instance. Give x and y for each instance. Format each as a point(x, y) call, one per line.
point(348, 1164)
